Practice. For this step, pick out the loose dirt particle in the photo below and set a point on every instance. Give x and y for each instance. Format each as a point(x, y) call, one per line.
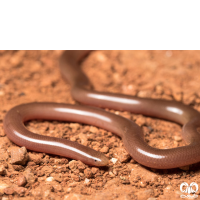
point(178, 138)
point(73, 165)
point(21, 180)
point(30, 177)
point(83, 138)
point(57, 187)
point(104, 149)
point(49, 179)
point(75, 177)
point(2, 170)
point(9, 190)
point(36, 158)
point(122, 155)
point(113, 160)
point(18, 167)
point(88, 173)
point(19, 156)
point(95, 170)
point(20, 191)
point(2, 187)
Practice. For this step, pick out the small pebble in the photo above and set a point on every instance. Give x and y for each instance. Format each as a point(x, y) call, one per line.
point(104, 149)
point(177, 138)
point(113, 160)
point(21, 180)
point(19, 156)
point(9, 190)
point(50, 179)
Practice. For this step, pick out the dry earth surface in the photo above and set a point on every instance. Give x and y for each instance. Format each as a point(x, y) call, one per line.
point(34, 76)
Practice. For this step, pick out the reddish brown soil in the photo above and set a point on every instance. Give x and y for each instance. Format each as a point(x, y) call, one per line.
point(28, 76)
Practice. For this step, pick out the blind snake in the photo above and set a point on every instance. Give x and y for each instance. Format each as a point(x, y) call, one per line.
point(131, 133)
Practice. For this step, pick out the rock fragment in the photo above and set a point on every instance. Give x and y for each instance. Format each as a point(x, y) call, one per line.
point(19, 156)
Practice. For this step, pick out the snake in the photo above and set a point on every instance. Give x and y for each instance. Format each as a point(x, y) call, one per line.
point(90, 110)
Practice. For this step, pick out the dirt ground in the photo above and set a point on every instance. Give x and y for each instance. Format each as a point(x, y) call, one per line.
point(30, 76)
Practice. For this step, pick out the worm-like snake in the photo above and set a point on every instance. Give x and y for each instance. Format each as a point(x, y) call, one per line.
point(131, 134)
